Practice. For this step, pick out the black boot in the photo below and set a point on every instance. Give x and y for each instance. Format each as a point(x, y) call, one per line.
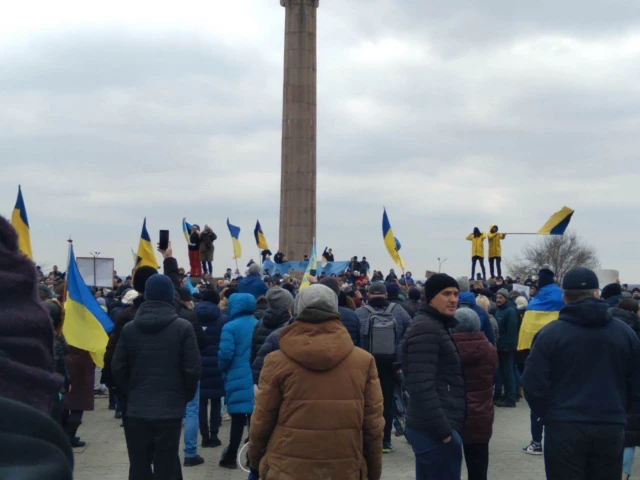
point(229, 460)
point(76, 442)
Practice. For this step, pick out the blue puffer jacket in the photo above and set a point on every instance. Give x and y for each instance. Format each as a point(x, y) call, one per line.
point(212, 320)
point(485, 324)
point(254, 285)
point(235, 353)
point(351, 322)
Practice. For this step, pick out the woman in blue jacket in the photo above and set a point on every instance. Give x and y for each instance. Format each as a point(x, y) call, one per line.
point(234, 362)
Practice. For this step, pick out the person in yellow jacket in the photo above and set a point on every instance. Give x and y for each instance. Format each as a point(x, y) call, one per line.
point(477, 251)
point(495, 250)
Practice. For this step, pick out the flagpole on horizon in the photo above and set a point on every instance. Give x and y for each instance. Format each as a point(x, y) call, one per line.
point(64, 291)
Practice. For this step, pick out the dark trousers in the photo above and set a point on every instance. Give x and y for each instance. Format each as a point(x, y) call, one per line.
point(536, 428)
point(209, 424)
point(436, 460)
point(153, 442)
point(204, 268)
point(476, 456)
point(473, 267)
point(507, 374)
point(581, 451)
point(387, 384)
point(238, 421)
point(71, 421)
point(498, 263)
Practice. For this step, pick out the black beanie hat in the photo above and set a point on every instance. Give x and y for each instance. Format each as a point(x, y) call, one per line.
point(185, 294)
point(332, 283)
point(414, 293)
point(141, 276)
point(438, 283)
point(611, 290)
point(545, 277)
point(211, 296)
point(159, 288)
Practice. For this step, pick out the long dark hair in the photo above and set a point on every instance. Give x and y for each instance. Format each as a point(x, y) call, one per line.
point(476, 232)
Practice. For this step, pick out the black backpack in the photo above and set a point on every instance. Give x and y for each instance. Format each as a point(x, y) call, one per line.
point(381, 333)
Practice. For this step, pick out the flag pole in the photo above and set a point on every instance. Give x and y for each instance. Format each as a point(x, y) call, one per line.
point(521, 233)
point(66, 275)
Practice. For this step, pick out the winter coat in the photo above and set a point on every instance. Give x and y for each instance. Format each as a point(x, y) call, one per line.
point(632, 431)
point(468, 298)
point(477, 244)
point(433, 375)
point(495, 245)
point(212, 321)
point(270, 345)
point(235, 352)
point(271, 321)
point(82, 372)
point(412, 307)
point(194, 242)
point(206, 246)
point(480, 362)
point(403, 320)
point(351, 322)
point(542, 310)
point(507, 318)
point(261, 309)
point(584, 367)
point(194, 320)
point(157, 363)
point(254, 285)
point(319, 407)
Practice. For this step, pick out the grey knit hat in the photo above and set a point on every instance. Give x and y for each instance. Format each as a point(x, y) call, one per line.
point(317, 297)
point(463, 283)
point(279, 299)
point(254, 269)
point(468, 321)
point(504, 292)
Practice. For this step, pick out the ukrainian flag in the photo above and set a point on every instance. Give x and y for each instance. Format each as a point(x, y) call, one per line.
point(313, 265)
point(146, 255)
point(261, 241)
point(543, 309)
point(20, 223)
point(186, 230)
point(558, 222)
point(235, 234)
point(86, 325)
point(391, 242)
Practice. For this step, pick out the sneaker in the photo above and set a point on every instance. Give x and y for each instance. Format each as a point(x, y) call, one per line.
point(214, 442)
point(533, 449)
point(193, 461)
point(77, 443)
point(387, 448)
point(118, 415)
point(506, 403)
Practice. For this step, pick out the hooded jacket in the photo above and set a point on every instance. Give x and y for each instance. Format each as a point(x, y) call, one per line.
point(477, 244)
point(433, 375)
point(212, 321)
point(271, 321)
point(157, 363)
point(495, 245)
point(318, 370)
point(632, 431)
point(254, 285)
point(235, 353)
point(584, 367)
point(480, 362)
point(485, 323)
point(507, 318)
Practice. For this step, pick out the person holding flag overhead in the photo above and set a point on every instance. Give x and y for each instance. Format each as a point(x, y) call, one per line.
point(207, 237)
point(261, 242)
point(146, 256)
point(20, 222)
point(477, 251)
point(192, 235)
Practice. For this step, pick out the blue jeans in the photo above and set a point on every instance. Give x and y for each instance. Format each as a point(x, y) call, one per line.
point(191, 423)
point(436, 460)
point(627, 459)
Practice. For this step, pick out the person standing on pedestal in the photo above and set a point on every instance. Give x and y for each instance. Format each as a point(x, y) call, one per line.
point(194, 251)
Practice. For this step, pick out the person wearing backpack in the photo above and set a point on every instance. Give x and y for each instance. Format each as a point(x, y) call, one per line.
point(382, 326)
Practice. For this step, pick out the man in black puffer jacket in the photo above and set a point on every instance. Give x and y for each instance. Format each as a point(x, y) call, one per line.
point(435, 382)
point(277, 316)
point(157, 365)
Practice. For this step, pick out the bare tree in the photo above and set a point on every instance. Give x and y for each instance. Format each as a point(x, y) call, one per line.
point(561, 252)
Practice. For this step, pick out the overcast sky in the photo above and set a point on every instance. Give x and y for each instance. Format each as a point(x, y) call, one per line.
point(452, 114)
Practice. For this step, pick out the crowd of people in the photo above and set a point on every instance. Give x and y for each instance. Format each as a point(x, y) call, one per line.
point(276, 358)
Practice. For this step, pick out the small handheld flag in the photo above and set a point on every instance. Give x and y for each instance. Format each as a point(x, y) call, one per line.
point(86, 325)
point(186, 230)
point(261, 241)
point(235, 239)
point(391, 242)
point(558, 222)
point(146, 255)
point(20, 222)
point(313, 265)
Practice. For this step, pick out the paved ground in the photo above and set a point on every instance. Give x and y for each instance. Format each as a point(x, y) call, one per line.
point(105, 455)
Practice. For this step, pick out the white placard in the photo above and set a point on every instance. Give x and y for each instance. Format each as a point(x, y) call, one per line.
point(607, 276)
point(96, 272)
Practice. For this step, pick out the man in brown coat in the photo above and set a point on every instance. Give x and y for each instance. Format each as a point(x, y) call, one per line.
point(331, 425)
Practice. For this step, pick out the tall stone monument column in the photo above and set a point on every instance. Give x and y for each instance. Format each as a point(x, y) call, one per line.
point(298, 176)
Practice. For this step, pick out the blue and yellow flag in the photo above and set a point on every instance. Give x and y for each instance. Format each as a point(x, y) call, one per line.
point(261, 241)
point(391, 242)
point(86, 325)
point(146, 255)
point(186, 230)
point(543, 309)
point(235, 239)
point(313, 265)
point(558, 222)
point(20, 222)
